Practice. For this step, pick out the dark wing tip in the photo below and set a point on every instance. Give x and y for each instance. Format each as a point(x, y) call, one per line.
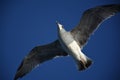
point(20, 71)
point(113, 7)
point(26, 66)
point(110, 8)
point(17, 75)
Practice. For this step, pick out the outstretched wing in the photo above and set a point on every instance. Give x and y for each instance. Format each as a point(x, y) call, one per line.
point(38, 55)
point(91, 19)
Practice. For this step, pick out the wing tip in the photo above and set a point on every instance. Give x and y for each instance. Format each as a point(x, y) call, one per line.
point(112, 7)
point(20, 71)
point(16, 77)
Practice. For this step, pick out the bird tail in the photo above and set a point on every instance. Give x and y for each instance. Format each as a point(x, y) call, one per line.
point(84, 64)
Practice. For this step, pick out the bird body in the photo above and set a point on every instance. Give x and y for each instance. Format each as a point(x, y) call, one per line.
point(72, 48)
point(69, 42)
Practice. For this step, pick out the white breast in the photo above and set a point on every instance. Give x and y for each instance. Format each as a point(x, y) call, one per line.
point(75, 51)
point(70, 46)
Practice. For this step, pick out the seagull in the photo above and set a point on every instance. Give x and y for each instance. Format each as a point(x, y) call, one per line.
point(69, 42)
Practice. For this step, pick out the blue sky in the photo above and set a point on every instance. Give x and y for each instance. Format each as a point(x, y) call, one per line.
point(25, 24)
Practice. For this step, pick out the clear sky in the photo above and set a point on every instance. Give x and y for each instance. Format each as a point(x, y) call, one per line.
point(25, 24)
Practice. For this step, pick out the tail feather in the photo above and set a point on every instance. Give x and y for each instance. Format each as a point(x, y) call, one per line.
point(82, 65)
point(89, 62)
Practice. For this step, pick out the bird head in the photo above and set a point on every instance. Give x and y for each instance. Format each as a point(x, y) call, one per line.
point(60, 26)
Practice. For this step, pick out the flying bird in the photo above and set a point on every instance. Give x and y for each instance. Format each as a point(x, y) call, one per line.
point(69, 42)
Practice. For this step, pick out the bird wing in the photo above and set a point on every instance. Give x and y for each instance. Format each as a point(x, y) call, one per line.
point(39, 55)
point(91, 19)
